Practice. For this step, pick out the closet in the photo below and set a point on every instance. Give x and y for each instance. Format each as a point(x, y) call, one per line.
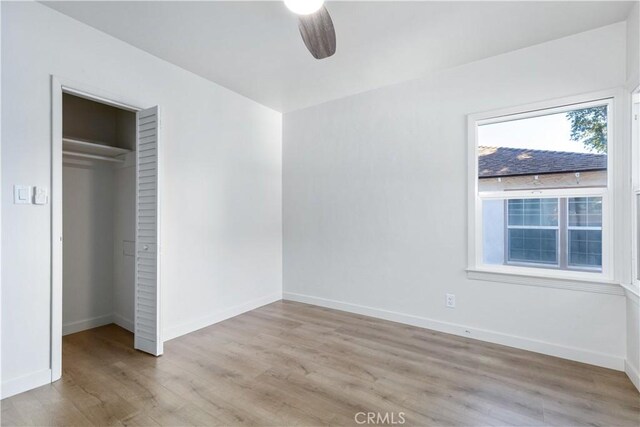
point(109, 219)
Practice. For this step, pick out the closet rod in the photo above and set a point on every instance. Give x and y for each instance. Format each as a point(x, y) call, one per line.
point(91, 156)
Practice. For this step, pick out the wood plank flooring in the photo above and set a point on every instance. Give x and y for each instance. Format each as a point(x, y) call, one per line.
point(295, 364)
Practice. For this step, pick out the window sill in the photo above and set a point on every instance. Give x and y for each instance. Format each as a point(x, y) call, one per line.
point(632, 291)
point(584, 285)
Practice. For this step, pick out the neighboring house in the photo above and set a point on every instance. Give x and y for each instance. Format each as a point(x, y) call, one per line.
point(502, 168)
point(561, 232)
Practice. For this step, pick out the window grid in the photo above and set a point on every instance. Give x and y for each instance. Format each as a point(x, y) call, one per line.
point(529, 243)
point(532, 235)
point(584, 230)
point(585, 212)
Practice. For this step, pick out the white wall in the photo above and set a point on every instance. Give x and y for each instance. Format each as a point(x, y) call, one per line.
point(633, 47)
point(88, 200)
point(124, 228)
point(375, 202)
point(221, 183)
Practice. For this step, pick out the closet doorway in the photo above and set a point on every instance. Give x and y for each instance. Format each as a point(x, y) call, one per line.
point(105, 198)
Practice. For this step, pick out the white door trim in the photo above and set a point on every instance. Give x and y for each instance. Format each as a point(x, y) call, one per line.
point(58, 87)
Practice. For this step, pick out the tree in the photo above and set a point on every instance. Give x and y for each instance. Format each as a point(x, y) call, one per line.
point(589, 126)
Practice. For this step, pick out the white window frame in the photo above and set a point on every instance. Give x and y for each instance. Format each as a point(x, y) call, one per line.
point(567, 279)
point(635, 141)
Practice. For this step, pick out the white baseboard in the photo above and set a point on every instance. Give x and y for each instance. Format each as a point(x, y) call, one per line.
point(94, 322)
point(565, 352)
point(123, 322)
point(203, 322)
point(82, 325)
point(632, 373)
point(25, 383)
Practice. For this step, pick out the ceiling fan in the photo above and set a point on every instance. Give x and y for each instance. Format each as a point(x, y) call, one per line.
point(315, 25)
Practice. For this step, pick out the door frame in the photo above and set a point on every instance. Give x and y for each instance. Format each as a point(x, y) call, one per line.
point(59, 86)
point(635, 187)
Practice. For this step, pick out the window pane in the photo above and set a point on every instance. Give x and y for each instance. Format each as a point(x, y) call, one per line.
point(516, 212)
point(585, 248)
point(493, 231)
point(585, 212)
point(533, 212)
point(561, 150)
point(532, 245)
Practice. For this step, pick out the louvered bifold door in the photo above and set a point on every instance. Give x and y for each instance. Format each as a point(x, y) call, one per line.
point(147, 295)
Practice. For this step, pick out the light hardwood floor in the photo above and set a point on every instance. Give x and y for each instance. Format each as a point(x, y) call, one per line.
point(295, 364)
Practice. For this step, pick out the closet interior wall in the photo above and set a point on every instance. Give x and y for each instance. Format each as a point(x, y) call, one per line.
point(98, 218)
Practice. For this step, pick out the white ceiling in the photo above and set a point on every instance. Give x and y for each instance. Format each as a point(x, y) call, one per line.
point(254, 48)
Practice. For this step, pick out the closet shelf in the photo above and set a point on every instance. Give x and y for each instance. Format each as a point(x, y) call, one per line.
point(91, 150)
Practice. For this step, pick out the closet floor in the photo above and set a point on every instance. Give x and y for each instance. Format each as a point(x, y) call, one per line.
point(295, 364)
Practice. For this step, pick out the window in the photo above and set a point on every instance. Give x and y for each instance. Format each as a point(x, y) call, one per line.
point(541, 190)
point(536, 230)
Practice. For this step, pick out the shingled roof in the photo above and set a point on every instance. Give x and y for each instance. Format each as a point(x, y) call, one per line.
point(503, 161)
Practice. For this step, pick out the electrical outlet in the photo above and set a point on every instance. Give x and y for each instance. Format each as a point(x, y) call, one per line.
point(451, 301)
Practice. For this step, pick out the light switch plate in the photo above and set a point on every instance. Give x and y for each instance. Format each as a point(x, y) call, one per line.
point(22, 194)
point(41, 196)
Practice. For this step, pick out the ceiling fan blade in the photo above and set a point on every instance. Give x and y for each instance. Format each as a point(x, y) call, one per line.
point(318, 33)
